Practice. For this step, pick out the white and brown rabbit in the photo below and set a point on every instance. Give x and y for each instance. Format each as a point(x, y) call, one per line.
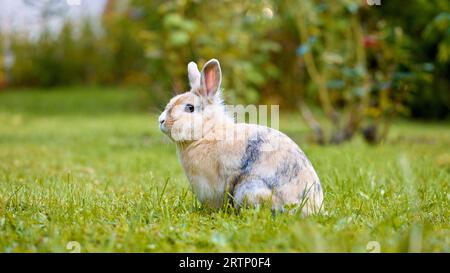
point(250, 163)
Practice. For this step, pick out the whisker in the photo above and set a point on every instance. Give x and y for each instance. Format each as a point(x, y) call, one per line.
point(155, 109)
point(174, 89)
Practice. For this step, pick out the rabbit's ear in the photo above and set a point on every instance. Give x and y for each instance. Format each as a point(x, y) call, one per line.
point(194, 75)
point(211, 78)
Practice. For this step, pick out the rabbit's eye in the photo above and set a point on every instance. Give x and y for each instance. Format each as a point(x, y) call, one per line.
point(189, 108)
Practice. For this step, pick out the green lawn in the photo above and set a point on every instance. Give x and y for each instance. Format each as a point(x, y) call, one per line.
point(92, 167)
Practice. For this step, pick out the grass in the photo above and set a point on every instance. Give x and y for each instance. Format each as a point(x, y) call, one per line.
point(92, 167)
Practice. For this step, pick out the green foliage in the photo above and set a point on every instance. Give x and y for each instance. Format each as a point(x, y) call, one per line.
point(425, 30)
point(109, 181)
point(79, 57)
point(397, 56)
point(175, 32)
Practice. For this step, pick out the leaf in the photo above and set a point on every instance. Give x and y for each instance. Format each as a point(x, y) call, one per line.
point(173, 20)
point(335, 84)
point(359, 91)
point(352, 8)
point(179, 38)
point(301, 50)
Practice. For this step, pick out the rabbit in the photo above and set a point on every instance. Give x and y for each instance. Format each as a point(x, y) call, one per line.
point(247, 164)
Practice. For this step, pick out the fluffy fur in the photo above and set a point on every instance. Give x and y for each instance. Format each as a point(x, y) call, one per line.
point(249, 163)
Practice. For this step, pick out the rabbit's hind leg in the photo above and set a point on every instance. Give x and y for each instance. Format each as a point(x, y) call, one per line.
point(252, 193)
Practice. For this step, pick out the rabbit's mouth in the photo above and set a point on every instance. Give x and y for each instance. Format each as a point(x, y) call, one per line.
point(165, 130)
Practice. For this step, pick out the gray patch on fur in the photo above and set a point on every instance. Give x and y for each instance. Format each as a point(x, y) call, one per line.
point(286, 171)
point(251, 156)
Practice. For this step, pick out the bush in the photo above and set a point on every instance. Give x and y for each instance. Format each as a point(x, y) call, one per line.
point(260, 47)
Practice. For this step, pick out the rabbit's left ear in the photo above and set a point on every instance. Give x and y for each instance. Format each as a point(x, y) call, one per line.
point(194, 75)
point(211, 77)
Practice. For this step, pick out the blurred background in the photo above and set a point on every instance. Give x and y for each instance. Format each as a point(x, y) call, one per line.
point(348, 67)
point(362, 85)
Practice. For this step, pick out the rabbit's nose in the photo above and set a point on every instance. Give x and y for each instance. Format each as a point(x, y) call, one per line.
point(162, 118)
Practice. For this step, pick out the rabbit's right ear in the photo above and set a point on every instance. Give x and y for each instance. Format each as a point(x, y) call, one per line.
point(211, 77)
point(194, 76)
